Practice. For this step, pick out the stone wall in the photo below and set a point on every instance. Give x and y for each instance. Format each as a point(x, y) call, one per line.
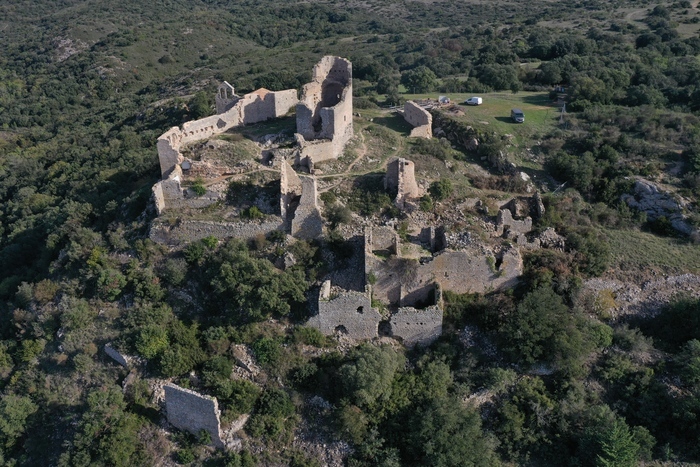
point(509, 227)
point(401, 179)
point(193, 412)
point(315, 151)
point(191, 230)
point(255, 107)
point(419, 118)
point(346, 312)
point(417, 327)
point(225, 97)
point(324, 111)
point(307, 222)
point(381, 238)
point(290, 189)
point(117, 356)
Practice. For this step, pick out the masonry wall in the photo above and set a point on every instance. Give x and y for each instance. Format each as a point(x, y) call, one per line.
point(191, 230)
point(505, 224)
point(346, 311)
point(193, 412)
point(318, 150)
point(474, 270)
point(419, 118)
point(417, 327)
point(307, 222)
point(252, 108)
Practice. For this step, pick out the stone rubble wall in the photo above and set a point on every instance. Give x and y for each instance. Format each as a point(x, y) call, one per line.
point(315, 151)
point(472, 271)
point(255, 107)
point(505, 224)
point(192, 230)
point(290, 187)
point(419, 118)
point(193, 412)
point(382, 238)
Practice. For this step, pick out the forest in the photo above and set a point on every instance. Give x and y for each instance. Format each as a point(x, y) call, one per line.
point(540, 374)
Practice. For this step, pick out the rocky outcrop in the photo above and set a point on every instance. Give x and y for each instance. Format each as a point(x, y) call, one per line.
point(656, 203)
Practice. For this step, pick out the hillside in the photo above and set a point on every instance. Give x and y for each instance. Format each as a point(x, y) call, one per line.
point(499, 294)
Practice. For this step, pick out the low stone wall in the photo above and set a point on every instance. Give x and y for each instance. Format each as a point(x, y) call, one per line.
point(192, 230)
point(419, 118)
point(193, 412)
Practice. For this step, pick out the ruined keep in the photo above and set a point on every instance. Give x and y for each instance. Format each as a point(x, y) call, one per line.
point(193, 412)
point(419, 118)
point(324, 113)
point(401, 179)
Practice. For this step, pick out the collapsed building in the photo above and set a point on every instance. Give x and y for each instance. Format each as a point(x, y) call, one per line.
point(400, 180)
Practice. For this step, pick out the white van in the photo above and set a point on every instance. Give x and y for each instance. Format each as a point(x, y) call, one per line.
point(474, 101)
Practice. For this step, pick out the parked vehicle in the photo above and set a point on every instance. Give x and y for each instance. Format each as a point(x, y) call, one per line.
point(517, 115)
point(474, 101)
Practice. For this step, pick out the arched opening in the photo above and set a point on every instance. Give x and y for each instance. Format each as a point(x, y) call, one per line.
point(340, 330)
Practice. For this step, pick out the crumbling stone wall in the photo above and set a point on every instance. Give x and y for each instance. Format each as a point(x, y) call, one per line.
point(511, 228)
point(417, 327)
point(254, 107)
point(290, 189)
point(419, 118)
point(225, 97)
point(307, 222)
point(325, 110)
point(381, 238)
point(186, 231)
point(401, 179)
point(193, 412)
point(347, 312)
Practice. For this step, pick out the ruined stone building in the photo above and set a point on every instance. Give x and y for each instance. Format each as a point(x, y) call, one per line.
point(324, 113)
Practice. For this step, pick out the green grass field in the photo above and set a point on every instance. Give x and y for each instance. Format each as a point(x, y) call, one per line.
point(541, 114)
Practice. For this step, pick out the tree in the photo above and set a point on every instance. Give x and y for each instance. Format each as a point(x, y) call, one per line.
point(367, 377)
point(619, 449)
point(445, 434)
point(14, 412)
point(441, 189)
point(419, 80)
